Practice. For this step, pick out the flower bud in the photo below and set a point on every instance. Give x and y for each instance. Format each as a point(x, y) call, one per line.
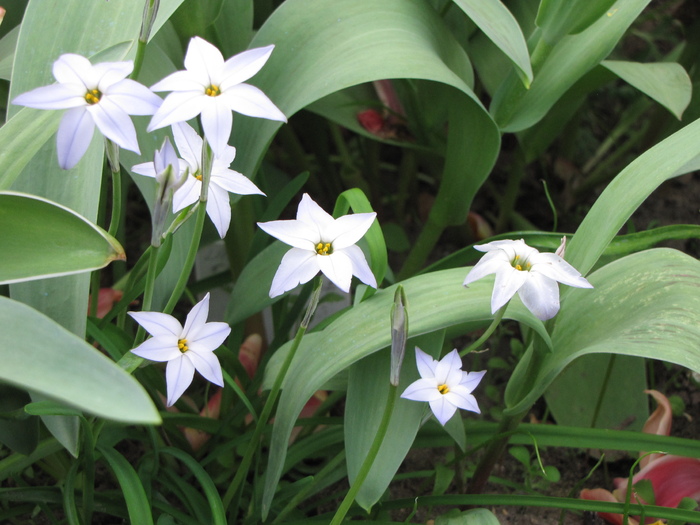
point(399, 334)
point(168, 180)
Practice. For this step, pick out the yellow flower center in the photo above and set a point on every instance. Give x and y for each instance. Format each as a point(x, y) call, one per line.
point(93, 96)
point(213, 91)
point(198, 177)
point(182, 345)
point(520, 265)
point(443, 389)
point(324, 248)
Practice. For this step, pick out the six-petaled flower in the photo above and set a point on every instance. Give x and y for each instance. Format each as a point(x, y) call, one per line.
point(214, 88)
point(184, 349)
point(94, 95)
point(320, 243)
point(444, 385)
point(522, 269)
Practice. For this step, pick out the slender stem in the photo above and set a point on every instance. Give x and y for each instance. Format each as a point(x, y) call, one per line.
point(603, 389)
point(116, 199)
point(89, 470)
point(272, 397)
point(369, 459)
point(150, 11)
point(493, 452)
point(94, 292)
point(492, 327)
point(149, 287)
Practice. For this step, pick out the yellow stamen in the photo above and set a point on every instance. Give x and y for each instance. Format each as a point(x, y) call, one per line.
point(198, 177)
point(93, 96)
point(324, 248)
point(213, 91)
point(182, 345)
point(520, 267)
point(443, 389)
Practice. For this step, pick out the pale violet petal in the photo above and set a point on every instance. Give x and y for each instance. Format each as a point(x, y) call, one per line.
point(360, 268)
point(74, 135)
point(508, 281)
point(348, 229)
point(187, 194)
point(224, 160)
point(470, 380)
point(178, 376)
point(115, 124)
point(178, 107)
point(297, 267)
point(158, 349)
point(461, 399)
point(443, 409)
point(540, 295)
point(133, 98)
point(56, 96)
point(208, 365)
point(196, 318)
point(216, 123)
point(426, 364)
point(251, 101)
point(492, 262)
point(338, 268)
point(146, 168)
point(72, 69)
point(189, 143)
point(209, 337)
point(422, 390)
point(235, 182)
point(243, 66)
point(109, 73)
point(219, 209)
point(449, 369)
point(204, 61)
point(181, 81)
point(293, 232)
point(554, 267)
point(158, 324)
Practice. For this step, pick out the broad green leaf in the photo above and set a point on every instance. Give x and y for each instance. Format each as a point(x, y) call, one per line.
point(43, 239)
point(643, 305)
point(586, 386)
point(53, 362)
point(558, 19)
point(627, 191)
point(494, 19)
point(436, 301)
point(666, 82)
point(515, 108)
point(368, 392)
point(7, 53)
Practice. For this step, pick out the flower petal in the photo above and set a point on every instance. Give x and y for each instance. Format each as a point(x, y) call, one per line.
point(235, 182)
point(115, 124)
point(209, 337)
point(219, 209)
point(73, 69)
point(310, 213)
point(426, 365)
point(133, 98)
point(470, 380)
point(74, 135)
point(443, 409)
point(492, 262)
point(204, 61)
point(251, 101)
point(208, 365)
point(178, 376)
point(295, 233)
point(422, 390)
point(146, 168)
point(508, 281)
point(196, 318)
point(110, 73)
point(187, 194)
point(558, 269)
point(160, 349)
point(360, 268)
point(189, 144)
point(56, 96)
point(158, 324)
point(242, 66)
point(181, 81)
point(540, 295)
point(297, 267)
point(178, 107)
point(338, 268)
point(216, 122)
point(348, 229)
point(461, 399)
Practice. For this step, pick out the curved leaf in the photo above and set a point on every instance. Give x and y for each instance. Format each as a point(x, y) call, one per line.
point(51, 361)
point(558, 19)
point(644, 305)
point(666, 82)
point(43, 239)
point(494, 19)
point(436, 301)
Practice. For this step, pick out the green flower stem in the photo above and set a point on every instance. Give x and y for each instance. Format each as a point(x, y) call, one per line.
point(88, 453)
point(150, 11)
point(116, 198)
point(149, 287)
point(369, 459)
point(493, 452)
point(272, 397)
point(94, 292)
point(492, 327)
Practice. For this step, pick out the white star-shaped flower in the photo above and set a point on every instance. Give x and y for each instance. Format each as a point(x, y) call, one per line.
point(444, 385)
point(320, 243)
point(185, 349)
point(222, 181)
point(213, 88)
point(93, 95)
point(521, 268)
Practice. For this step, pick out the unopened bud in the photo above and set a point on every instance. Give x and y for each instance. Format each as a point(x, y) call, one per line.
point(168, 180)
point(399, 334)
point(562, 248)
